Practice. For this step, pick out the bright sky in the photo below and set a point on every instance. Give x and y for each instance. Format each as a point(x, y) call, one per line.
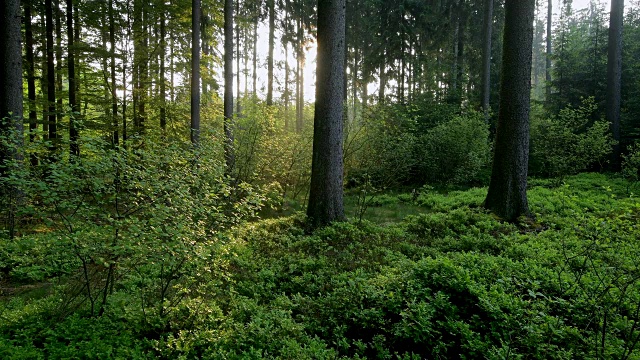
point(580, 4)
point(310, 66)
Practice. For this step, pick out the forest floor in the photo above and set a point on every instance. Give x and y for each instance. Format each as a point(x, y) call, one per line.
point(410, 276)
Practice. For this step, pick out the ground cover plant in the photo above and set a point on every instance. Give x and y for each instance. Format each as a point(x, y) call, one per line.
point(448, 281)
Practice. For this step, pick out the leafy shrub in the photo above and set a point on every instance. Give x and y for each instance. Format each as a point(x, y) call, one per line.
point(631, 164)
point(381, 149)
point(565, 144)
point(455, 152)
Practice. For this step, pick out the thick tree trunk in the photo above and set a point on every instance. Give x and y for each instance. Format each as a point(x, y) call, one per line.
point(228, 86)
point(272, 27)
point(11, 107)
point(31, 78)
point(326, 192)
point(614, 76)
point(486, 57)
point(74, 146)
point(195, 71)
point(507, 196)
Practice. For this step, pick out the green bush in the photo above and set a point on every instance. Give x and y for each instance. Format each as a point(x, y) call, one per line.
point(455, 152)
point(631, 164)
point(570, 142)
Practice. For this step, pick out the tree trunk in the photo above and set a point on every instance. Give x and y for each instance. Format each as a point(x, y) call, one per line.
point(272, 27)
point(300, 79)
point(326, 192)
point(74, 147)
point(486, 57)
point(195, 71)
point(614, 76)
point(460, 55)
point(11, 107)
point(238, 96)
point(31, 78)
point(228, 86)
point(58, 62)
point(161, 78)
point(112, 68)
point(383, 80)
point(548, 59)
point(254, 76)
point(51, 77)
point(507, 196)
point(44, 84)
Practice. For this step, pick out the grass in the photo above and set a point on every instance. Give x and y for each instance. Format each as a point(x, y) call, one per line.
point(428, 275)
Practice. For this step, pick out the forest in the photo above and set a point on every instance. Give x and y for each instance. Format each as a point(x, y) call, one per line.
point(330, 179)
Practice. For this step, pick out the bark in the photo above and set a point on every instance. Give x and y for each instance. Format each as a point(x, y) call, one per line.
point(237, 33)
point(548, 59)
point(11, 107)
point(383, 81)
point(300, 79)
point(163, 82)
point(74, 147)
point(228, 86)
point(272, 26)
point(460, 54)
point(114, 97)
point(507, 195)
point(326, 191)
point(254, 76)
point(195, 70)
point(614, 76)
point(58, 62)
point(51, 76)
point(486, 57)
point(285, 41)
point(44, 84)
point(31, 78)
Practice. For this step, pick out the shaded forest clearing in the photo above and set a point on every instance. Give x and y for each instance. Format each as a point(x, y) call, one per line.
point(449, 281)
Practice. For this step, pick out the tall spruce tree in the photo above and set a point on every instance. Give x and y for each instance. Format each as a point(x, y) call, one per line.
point(507, 195)
point(11, 107)
point(326, 193)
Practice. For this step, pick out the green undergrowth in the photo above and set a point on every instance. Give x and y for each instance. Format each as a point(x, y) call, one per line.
point(448, 281)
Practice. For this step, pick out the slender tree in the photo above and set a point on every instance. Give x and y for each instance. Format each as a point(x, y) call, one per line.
point(162, 79)
point(228, 85)
point(51, 76)
point(195, 70)
point(614, 75)
point(486, 56)
point(272, 26)
point(507, 195)
point(31, 78)
point(548, 62)
point(326, 192)
point(114, 97)
point(74, 146)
